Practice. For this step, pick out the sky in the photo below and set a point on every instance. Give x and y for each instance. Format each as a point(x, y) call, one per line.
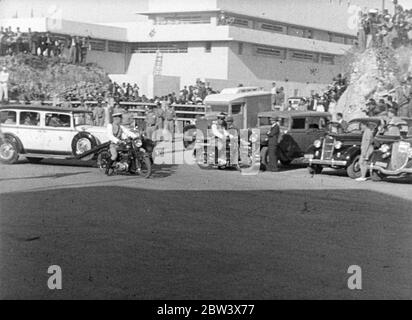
point(98, 11)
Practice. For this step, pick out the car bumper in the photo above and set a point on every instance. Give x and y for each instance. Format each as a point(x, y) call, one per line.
point(390, 172)
point(331, 163)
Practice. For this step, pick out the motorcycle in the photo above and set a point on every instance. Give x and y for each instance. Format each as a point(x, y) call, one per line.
point(132, 158)
point(212, 153)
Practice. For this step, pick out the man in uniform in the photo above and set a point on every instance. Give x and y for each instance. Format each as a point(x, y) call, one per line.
point(220, 135)
point(150, 119)
point(234, 133)
point(366, 149)
point(273, 142)
point(158, 111)
point(170, 117)
point(116, 132)
point(98, 114)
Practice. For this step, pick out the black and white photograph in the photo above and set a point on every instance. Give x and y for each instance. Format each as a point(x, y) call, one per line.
point(205, 150)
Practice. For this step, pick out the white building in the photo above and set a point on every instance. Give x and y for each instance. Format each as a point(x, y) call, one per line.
point(299, 44)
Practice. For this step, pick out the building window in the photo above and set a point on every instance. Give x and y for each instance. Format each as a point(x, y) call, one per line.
point(327, 59)
point(208, 47)
point(303, 56)
point(271, 51)
point(115, 46)
point(97, 45)
point(272, 27)
point(167, 47)
point(182, 20)
point(296, 32)
point(239, 22)
point(240, 48)
point(337, 38)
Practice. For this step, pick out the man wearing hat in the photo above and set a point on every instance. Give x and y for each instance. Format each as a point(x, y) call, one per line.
point(234, 133)
point(366, 148)
point(219, 132)
point(116, 132)
point(98, 113)
point(273, 142)
point(4, 79)
point(170, 117)
point(150, 120)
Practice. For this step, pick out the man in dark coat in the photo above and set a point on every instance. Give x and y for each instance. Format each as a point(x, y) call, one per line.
point(273, 143)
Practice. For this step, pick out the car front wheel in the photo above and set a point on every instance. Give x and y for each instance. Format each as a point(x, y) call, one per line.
point(353, 170)
point(9, 153)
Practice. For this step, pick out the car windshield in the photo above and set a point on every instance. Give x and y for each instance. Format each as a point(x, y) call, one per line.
point(81, 119)
point(265, 121)
point(217, 108)
point(354, 127)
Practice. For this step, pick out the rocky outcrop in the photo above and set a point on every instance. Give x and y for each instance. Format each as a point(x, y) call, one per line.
point(373, 73)
point(36, 78)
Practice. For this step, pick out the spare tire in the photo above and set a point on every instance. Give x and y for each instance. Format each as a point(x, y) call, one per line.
point(189, 137)
point(83, 142)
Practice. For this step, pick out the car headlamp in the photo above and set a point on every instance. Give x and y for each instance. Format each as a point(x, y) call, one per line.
point(317, 144)
point(138, 143)
point(384, 148)
point(338, 144)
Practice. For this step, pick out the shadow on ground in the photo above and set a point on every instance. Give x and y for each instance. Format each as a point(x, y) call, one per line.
point(114, 242)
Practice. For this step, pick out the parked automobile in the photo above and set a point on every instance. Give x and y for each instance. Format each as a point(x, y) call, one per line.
point(38, 132)
point(393, 156)
point(340, 150)
point(298, 131)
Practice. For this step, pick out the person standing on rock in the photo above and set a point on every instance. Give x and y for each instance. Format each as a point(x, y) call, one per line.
point(4, 80)
point(404, 98)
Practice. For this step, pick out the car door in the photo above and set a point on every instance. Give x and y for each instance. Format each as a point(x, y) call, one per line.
point(298, 131)
point(30, 131)
point(58, 133)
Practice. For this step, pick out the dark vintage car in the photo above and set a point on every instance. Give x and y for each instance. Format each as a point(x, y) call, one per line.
point(298, 131)
point(393, 154)
point(341, 150)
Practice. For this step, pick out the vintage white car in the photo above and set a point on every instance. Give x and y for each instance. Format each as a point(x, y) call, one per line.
point(38, 132)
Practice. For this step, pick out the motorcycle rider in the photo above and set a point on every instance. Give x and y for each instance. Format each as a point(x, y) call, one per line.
point(220, 134)
point(234, 142)
point(116, 132)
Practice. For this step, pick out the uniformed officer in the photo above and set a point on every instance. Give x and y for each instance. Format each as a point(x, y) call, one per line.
point(170, 117)
point(98, 114)
point(150, 120)
point(220, 135)
point(273, 143)
point(116, 132)
point(234, 140)
point(366, 149)
point(159, 113)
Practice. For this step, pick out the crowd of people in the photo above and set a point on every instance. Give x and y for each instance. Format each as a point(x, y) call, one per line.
point(324, 102)
point(73, 48)
point(382, 29)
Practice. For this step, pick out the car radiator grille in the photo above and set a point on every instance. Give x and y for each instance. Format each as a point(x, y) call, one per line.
point(328, 148)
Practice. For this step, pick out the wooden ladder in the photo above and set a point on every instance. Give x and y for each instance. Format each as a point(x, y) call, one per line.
point(157, 71)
